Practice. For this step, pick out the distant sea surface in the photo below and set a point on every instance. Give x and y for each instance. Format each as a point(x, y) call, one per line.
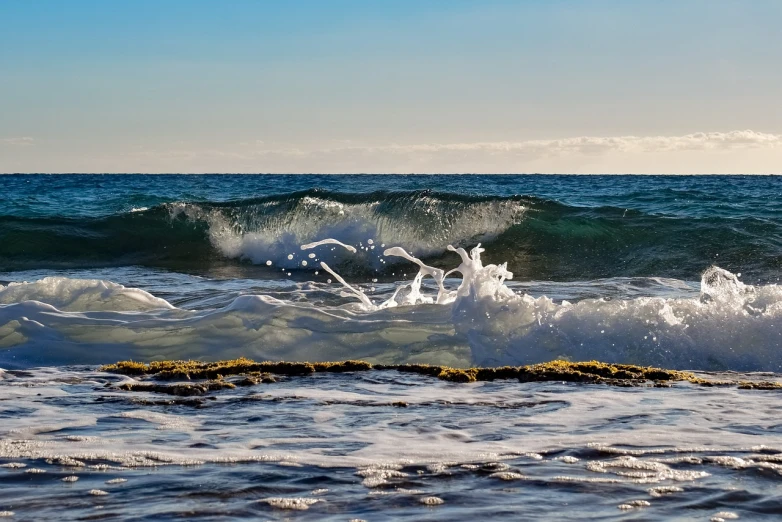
point(461, 270)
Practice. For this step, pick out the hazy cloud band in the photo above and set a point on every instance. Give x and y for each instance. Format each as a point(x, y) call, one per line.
point(744, 151)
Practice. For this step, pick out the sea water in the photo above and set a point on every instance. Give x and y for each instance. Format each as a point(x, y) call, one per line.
point(677, 272)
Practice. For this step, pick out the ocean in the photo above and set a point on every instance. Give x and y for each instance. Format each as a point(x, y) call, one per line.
point(457, 271)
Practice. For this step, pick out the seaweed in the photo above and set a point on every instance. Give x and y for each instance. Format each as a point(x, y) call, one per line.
point(444, 373)
point(170, 370)
point(590, 372)
point(586, 372)
point(342, 366)
point(601, 373)
point(759, 385)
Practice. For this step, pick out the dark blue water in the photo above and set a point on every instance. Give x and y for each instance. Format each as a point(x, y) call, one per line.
point(91, 195)
point(562, 228)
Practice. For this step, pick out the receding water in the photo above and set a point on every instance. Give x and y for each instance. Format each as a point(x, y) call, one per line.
point(337, 445)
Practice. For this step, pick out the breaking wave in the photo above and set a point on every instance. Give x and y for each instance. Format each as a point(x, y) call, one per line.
point(473, 320)
point(538, 238)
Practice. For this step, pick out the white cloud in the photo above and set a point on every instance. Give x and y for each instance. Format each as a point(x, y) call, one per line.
point(17, 141)
point(579, 145)
point(697, 152)
point(745, 152)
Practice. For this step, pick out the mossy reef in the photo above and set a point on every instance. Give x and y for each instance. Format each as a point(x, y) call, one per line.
point(252, 372)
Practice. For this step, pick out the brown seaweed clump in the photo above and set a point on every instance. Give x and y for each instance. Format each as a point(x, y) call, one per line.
point(760, 385)
point(600, 373)
point(592, 372)
point(587, 372)
point(169, 370)
point(343, 366)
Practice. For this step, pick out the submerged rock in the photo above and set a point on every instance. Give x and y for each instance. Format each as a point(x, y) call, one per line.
point(181, 390)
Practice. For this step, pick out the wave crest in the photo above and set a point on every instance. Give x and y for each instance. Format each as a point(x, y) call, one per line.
point(423, 222)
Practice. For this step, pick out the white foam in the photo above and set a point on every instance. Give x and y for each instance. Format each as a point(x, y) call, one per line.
point(508, 475)
point(354, 291)
point(480, 322)
point(567, 459)
point(643, 471)
point(661, 491)
point(297, 504)
point(81, 295)
point(415, 296)
point(309, 246)
point(633, 504)
point(379, 475)
point(431, 501)
point(732, 326)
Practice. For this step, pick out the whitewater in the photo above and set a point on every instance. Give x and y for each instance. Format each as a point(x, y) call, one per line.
point(680, 273)
point(480, 322)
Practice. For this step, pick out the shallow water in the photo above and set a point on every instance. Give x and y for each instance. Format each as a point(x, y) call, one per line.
point(501, 449)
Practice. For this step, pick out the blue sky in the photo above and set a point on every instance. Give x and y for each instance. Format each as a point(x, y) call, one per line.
point(390, 86)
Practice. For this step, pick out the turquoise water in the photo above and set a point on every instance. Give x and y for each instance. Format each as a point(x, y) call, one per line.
point(673, 271)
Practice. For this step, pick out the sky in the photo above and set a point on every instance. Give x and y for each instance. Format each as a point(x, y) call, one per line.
point(484, 86)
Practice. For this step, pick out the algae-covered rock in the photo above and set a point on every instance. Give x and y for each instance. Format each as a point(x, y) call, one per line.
point(591, 372)
point(126, 368)
point(598, 372)
point(255, 378)
point(759, 385)
point(491, 374)
point(343, 366)
point(207, 370)
point(457, 375)
point(423, 369)
point(441, 372)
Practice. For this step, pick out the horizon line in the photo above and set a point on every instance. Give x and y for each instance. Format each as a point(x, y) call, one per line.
point(388, 174)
